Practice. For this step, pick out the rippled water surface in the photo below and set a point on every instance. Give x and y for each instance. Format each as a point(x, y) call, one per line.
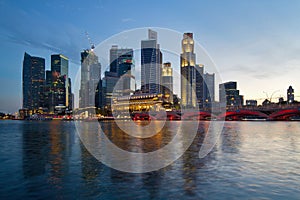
point(251, 160)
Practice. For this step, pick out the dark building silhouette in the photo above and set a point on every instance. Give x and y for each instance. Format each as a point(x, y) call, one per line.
point(33, 82)
point(290, 95)
point(208, 89)
point(109, 81)
point(200, 85)
point(57, 90)
point(151, 61)
point(251, 102)
point(124, 67)
point(60, 64)
point(229, 95)
point(119, 80)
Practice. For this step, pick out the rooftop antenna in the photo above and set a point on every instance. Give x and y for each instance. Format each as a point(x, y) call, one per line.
point(90, 41)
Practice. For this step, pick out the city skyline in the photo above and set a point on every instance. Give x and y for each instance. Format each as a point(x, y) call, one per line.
point(261, 46)
point(59, 64)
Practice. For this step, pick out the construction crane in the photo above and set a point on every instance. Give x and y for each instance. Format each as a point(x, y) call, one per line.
point(90, 41)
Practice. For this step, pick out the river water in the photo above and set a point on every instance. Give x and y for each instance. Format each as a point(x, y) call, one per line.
point(251, 160)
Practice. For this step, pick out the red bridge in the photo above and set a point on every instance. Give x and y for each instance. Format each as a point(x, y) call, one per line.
point(282, 114)
point(287, 114)
point(242, 114)
point(257, 113)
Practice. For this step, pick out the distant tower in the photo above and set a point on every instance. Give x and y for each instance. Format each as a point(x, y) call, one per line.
point(33, 81)
point(167, 81)
point(151, 61)
point(188, 74)
point(290, 95)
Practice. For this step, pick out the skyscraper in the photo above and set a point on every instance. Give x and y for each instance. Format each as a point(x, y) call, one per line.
point(199, 85)
point(209, 89)
point(121, 61)
point(119, 80)
point(60, 64)
point(59, 92)
point(188, 74)
point(33, 81)
point(59, 69)
point(151, 61)
point(167, 81)
point(229, 95)
point(125, 71)
point(109, 82)
point(90, 80)
point(48, 98)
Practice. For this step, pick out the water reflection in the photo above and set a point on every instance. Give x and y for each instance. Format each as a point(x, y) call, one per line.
point(133, 144)
point(191, 165)
point(152, 183)
point(60, 149)
point(35, 148)
point(251, 160)
point(231, 137)
point(46, 153)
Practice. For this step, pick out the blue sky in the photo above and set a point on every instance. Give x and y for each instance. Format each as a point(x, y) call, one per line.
point(256, 42)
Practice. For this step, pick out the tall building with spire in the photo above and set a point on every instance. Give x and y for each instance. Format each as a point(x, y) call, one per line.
point(33, 82)
point(151, 61)
point(90, 85)
point(188, 73)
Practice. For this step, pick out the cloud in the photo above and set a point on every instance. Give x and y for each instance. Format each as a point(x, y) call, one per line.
point(30, 29)
point(127, 20)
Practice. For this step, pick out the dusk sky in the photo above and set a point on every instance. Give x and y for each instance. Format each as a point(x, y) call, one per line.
point(255, 43)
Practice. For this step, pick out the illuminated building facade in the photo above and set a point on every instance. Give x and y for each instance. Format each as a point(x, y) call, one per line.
point(138, 103)
point(167, 81)
point(187, 70)
point(151, 61)
point(33, 82)
point(59, 69)
point(58, 95)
